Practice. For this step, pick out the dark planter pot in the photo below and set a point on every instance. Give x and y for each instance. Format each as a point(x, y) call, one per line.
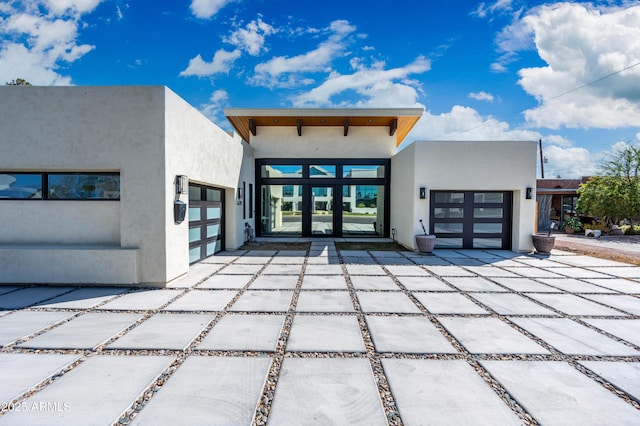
point(543, 243)
point(425, 243)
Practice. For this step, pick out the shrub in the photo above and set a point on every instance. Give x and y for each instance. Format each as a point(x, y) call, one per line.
point(631, 229)
point(599, 226)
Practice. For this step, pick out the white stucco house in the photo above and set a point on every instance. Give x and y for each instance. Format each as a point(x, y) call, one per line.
point(131, 185)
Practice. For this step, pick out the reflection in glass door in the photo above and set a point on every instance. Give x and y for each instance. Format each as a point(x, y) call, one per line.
point(322, 210)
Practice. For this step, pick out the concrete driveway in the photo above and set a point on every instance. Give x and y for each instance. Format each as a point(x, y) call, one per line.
point(333, 337)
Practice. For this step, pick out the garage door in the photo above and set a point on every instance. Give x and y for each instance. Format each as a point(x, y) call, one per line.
point(470, 219)
point(206, 221)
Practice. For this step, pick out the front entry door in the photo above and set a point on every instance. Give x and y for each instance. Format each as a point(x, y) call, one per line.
point(322, 211)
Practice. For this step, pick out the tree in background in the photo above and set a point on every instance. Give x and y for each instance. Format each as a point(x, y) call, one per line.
point(614, 194)
point(18, 82)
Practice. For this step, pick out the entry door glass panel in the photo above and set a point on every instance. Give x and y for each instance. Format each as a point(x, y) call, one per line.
point(281, 210)
point(363, 210)
point(322, 210)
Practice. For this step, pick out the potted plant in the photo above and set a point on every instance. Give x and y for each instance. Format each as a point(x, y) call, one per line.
point(572, 224)
point(425, 242)
point(544, 242)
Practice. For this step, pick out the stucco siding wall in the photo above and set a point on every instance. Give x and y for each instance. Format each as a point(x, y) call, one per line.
point(207, 155)
point(475, 165)
point(117, 129)
point(86, 222)
point(323, 142)
point(403, 194)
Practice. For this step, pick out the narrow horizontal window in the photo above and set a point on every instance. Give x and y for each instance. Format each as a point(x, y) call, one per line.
point(60, 186)
point(78, 186)
point(281, 171)
point(322, 171)
point(21, 186)
point(359, 172)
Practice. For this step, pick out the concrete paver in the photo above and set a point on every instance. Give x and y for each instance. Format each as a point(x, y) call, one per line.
point(141, 300)
point(83, 298)
point(408, 335)
point(27, 370)
point(490, 335)
point(208, 390)
point(202, 300)
point(324, 301)
point(30, 296)
point(95, 392)
point(625, 376)
point(327, 391)
point(263, 301)
point(84, 332)
point(21, 324)
point(628, 329)
point(164, 331)
point(511, 304)
point(323, 333)
point(570, 337)
point(444, 392)
point(556, 393)
point(448, 303)
point(226, 281)
point(265, 359)
point(326, 282)
point(244, 333)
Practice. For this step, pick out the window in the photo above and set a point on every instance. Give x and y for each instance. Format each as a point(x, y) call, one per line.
point(79, 186)
point(60, 186)
point(373, 171)
point(21, 186)
point(322, 171)
point(281, 171)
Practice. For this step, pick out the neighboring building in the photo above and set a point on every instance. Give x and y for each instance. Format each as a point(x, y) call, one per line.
point(92, 180)
point(557, 199)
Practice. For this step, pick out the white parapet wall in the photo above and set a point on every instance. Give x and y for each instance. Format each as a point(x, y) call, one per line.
point(463, 166)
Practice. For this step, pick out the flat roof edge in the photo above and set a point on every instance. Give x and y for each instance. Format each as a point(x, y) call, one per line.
point(327, 112)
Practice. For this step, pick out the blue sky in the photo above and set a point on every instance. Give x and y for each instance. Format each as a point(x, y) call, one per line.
point(504, 69)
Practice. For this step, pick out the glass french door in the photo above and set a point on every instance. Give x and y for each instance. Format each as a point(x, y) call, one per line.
point(322, 210)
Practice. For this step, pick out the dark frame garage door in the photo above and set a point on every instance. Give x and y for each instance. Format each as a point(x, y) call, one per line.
point(206, 221)
point(471, 219)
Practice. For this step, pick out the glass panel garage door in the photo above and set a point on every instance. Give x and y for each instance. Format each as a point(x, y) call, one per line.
point(466, 219)
point(206, 221)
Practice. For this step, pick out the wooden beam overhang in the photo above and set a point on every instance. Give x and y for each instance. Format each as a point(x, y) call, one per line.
point(398, 121)
point(393, 127)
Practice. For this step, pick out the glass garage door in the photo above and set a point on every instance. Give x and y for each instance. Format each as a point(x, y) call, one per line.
point(466, 219)
point(206, 221)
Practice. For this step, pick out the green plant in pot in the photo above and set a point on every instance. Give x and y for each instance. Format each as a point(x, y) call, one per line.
point(572, 224)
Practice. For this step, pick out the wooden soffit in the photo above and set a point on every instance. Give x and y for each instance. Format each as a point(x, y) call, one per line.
point(398, 121)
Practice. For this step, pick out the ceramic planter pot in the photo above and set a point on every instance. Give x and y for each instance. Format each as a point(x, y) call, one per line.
point(543, 243)
point(425, 243)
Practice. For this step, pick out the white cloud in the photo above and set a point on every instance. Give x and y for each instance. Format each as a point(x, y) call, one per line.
point(481, 96)
point(251, 39)
point(282, 71)
point(221, 63)
point(465, 123)
point(376, 87)
point(500, 6)
point(205, 9)
point(580, 44)
point(38, 36)
point(569, 162)
point(217, 102)
point(81, 6)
